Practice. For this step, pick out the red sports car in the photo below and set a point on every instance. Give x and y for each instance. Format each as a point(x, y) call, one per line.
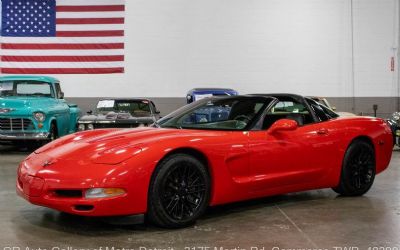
point(211, 152)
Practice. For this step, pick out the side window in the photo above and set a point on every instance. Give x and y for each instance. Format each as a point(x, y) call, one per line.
point(57, 90)
point(329, 112)
point(287, 109)
point(153, 106)
point(321, 111)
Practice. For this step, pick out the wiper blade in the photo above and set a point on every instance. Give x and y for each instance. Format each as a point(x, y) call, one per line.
point(155, 125)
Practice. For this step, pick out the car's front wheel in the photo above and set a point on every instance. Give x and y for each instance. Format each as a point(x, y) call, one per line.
point(179, 191)
point(358, 170)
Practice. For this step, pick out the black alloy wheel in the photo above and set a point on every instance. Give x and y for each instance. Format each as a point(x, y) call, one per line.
point(358, 172)
point(179, 192)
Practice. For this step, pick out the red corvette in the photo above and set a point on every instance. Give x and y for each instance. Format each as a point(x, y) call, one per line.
point(210, 152)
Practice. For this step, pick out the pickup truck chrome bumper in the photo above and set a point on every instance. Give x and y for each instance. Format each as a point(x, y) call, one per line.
point(13, 136)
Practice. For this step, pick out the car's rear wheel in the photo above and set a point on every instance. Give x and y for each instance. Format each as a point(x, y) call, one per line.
point(358, 170)
point(179, 191)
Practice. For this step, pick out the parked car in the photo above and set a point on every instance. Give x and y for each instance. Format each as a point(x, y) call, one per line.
point(120, 113)
point(33, 108)
point(201, 93)
point(266, 145)
point(394, 122)
point(325, 102)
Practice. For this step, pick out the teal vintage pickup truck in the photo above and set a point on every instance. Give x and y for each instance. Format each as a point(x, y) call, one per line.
point(33, 108)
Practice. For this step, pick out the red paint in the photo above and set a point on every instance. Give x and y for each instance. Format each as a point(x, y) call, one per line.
point(61, 70)
point(94, 33)
point(90, 20)
point(62, 46)
point(242, 165)
point(90, 8)
point(63, 58)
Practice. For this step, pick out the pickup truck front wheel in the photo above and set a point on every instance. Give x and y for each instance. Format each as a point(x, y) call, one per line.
point(53, 132)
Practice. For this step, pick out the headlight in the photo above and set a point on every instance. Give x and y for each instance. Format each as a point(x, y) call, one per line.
point(395, 116)
point(39, 116)
point(90, 126)
point(81, 127)
point(95, 193)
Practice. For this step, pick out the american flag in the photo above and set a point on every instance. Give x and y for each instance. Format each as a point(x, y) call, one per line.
point(62, 36)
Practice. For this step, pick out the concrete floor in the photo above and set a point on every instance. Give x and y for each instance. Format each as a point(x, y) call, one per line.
point(316, 219)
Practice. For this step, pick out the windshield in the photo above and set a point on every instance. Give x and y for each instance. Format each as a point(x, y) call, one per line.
point(133, 107)
point(25, 88)
point(234, 113)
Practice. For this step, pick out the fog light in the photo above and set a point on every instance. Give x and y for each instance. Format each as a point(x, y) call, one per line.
point(95, 193)
point(90, 126)
point(81, 127)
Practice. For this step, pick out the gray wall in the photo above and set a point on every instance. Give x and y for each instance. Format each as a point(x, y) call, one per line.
point(363, 105)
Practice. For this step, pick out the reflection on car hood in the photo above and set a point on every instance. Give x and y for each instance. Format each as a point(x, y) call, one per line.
point(92, 143)
point(116, 117)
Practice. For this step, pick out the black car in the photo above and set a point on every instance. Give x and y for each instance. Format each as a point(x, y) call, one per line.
point(120, 113)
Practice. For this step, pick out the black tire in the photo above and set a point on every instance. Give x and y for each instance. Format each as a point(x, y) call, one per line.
point(53, 135)
point(179, 192)
point(358, 170)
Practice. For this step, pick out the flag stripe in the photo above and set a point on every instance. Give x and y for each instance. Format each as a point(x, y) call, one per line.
point(90, 2)
point(90, 20)
point(92, 52)
point(108, 14)
point(89, 27)
point(89, 8)
point(115, 39)
point(63, 58)
point(46, 71)
point(62, 46)
point(92, 33)
point(38, 65)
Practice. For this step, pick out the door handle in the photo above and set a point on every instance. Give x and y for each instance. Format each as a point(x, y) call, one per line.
point(322, 131)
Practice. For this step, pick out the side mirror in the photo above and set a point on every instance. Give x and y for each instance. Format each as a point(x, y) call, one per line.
point(283, 125)
point(72, 105)
point(334, 108)
point(61, 95)
point(157, 112)
point(90, 112)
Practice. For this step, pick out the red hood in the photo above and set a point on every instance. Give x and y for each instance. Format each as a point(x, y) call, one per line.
point(88, 143)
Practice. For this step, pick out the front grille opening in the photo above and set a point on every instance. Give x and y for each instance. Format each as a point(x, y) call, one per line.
point(15, 124)
point(83, 207)
point(68, 193)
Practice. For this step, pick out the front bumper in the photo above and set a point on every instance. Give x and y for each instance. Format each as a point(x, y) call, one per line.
point(35, 191)
point(15, 136)
point(46, 192)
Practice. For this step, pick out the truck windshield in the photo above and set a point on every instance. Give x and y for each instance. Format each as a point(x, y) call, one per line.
point(25, 88)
